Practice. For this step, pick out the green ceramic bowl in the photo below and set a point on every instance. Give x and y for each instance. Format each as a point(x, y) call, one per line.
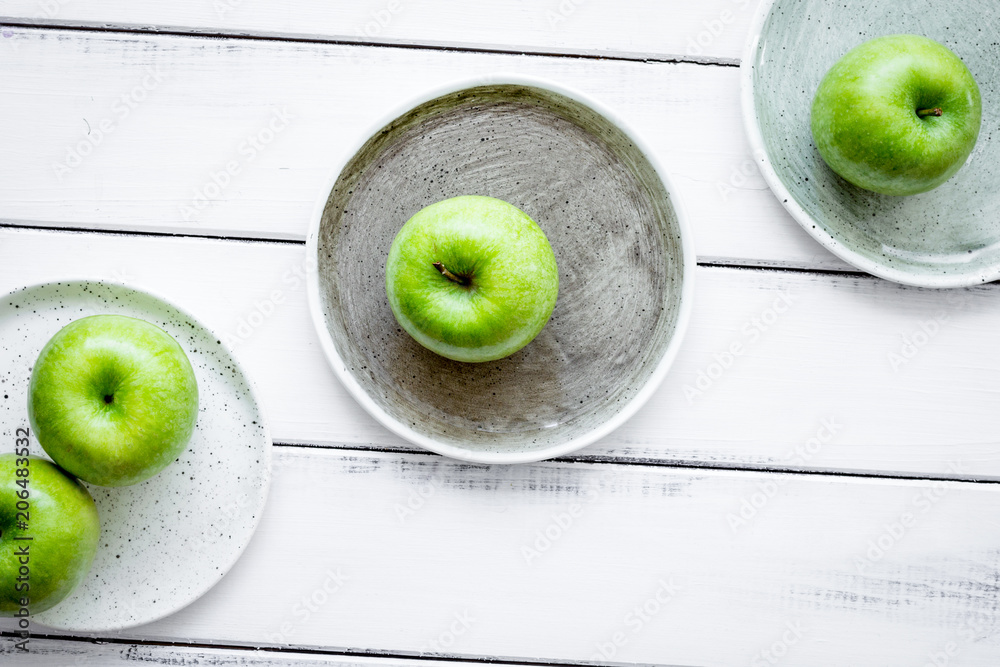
point(947, 237)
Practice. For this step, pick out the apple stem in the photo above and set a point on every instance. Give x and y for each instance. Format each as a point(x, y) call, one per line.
point(936, 111)
point(108, 398)
point(464, 282)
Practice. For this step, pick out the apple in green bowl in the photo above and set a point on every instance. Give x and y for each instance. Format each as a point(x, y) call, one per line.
point(112, 399)
point(897, 115)
point(49, 531)
point(471, 278)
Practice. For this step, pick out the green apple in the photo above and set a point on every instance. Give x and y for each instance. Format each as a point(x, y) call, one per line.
point(471, 278)
point(48, 534)
point(112, 399)
point(897, 115)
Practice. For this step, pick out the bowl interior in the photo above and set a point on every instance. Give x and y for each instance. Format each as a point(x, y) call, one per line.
point(950, 235)
point(616, 238)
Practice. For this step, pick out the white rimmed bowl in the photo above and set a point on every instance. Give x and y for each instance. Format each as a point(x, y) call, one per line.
point(625, 256)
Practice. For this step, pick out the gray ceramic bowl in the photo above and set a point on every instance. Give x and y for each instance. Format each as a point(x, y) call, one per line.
point(625, 261)
point(948, 237)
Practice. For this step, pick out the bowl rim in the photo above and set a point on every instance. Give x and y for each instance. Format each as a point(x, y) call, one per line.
point(806, 221)
point(492, 457)
point(252, 390)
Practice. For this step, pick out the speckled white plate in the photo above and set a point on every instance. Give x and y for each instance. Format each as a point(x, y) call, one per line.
point(167, 541)
point(620, 236)
point(948, 237)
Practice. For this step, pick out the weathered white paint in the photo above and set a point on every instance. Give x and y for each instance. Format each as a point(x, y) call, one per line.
point(707, 30)
point(418, 554)
point(853, 374)
point(192, 107)
point(813, 350)
point(44, 652)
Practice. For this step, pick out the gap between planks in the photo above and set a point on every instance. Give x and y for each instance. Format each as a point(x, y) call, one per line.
point(708, 262)
point(85, 26)
point(598, 459)
point(291, 651)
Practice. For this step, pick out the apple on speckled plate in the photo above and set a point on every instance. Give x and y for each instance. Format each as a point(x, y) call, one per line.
point(49, 531)
point(152, 423)
point(113, 399)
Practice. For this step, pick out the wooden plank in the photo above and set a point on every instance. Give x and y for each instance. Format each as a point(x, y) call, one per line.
point(779, 369)
point(416, 554)
point(712, 29)
point(161, 117)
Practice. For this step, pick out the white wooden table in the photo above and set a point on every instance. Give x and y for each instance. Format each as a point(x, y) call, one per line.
point(827, 497)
